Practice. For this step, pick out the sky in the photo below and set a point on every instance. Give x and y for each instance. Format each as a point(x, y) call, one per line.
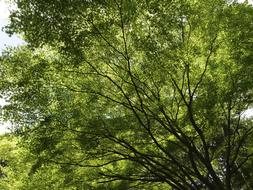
point(6, 41)
point(241, 1)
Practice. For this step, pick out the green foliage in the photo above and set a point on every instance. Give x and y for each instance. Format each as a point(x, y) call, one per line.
point(17, 163)
point(132, 94)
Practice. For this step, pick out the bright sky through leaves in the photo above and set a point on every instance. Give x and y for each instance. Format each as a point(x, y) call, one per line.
point(6, 41)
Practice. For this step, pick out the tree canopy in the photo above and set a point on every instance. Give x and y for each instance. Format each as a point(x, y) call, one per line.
point(130, 94)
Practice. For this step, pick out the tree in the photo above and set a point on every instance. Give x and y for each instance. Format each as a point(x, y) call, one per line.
point(141, 92)
point(12, 170)
point(20, 170)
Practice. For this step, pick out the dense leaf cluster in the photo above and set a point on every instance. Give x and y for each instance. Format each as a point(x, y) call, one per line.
point(130, 94)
